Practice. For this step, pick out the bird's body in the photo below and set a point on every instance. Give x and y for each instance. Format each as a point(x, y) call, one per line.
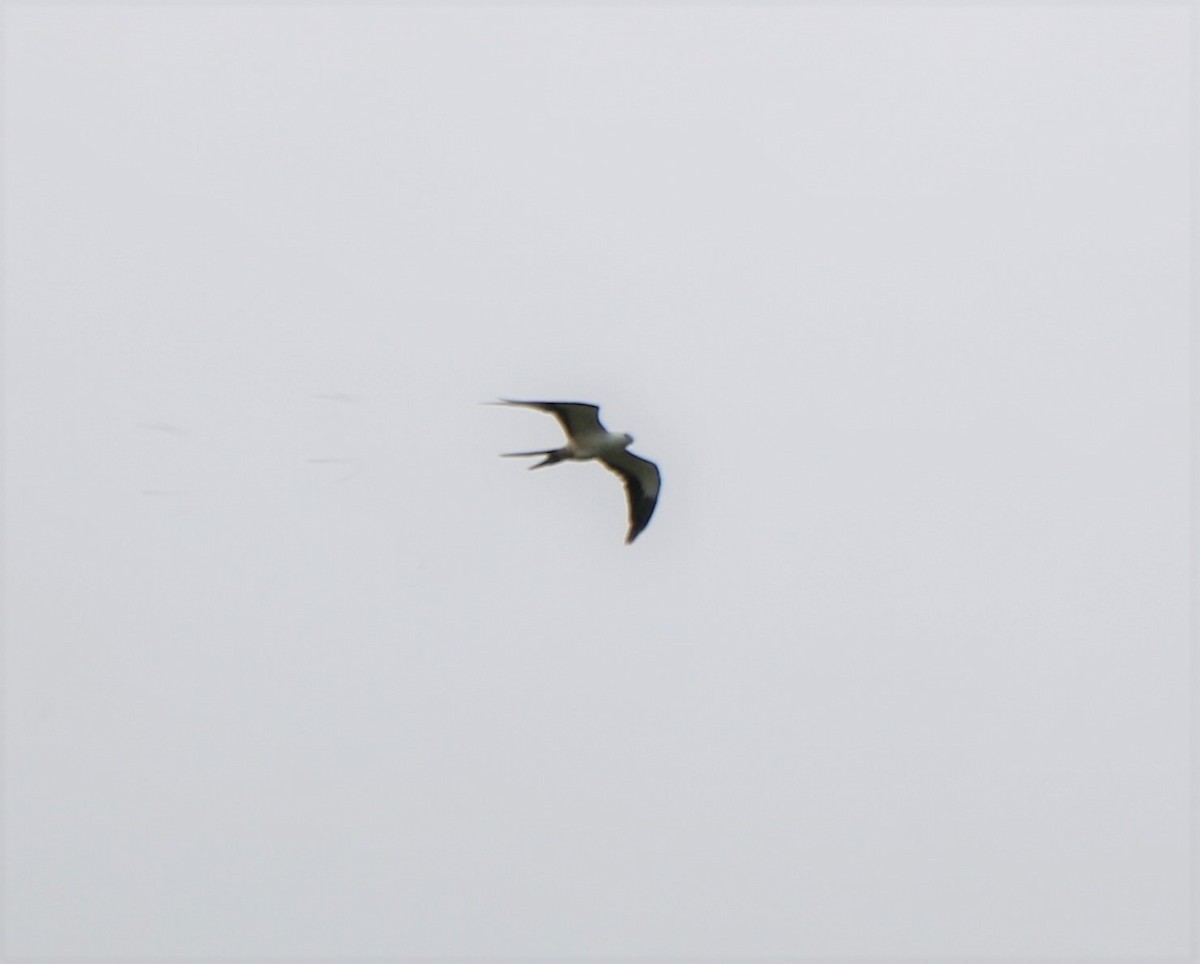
point(588, 439)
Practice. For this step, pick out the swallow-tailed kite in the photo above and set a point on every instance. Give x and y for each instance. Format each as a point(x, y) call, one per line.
point(588, 439)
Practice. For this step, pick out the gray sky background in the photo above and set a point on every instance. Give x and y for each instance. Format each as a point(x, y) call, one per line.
point(896, 296)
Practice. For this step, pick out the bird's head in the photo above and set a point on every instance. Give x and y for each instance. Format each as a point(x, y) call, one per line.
point(628, 438)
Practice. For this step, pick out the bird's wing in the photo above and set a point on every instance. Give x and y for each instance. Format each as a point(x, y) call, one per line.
point(642, 481)
point(577, 418)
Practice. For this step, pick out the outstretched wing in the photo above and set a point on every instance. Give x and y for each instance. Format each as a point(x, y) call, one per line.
point(642, 481)
point(577, 418)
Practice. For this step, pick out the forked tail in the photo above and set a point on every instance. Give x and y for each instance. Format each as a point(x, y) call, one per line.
point(552, 456)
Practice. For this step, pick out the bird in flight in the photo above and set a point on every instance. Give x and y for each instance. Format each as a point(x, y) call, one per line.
point(588, 439)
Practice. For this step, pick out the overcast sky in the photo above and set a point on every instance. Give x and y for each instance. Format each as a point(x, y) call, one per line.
point(896, 296)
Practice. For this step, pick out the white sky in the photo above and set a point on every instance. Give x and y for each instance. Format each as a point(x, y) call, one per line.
point(897, 297)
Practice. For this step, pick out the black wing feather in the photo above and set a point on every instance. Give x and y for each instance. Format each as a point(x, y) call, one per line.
point(642, 482)
point(576, 418)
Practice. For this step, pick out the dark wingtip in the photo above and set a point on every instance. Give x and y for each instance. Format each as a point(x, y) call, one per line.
point(639, 517)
